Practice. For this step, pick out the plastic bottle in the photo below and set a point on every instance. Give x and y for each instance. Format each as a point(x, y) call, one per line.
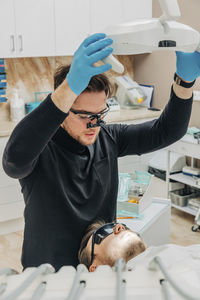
point(136, 95)
point(17, 107)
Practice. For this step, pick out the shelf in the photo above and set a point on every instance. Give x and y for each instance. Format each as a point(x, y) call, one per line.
point(187, 146)
point(184, 147)
point(186, 179)
point(186, 209)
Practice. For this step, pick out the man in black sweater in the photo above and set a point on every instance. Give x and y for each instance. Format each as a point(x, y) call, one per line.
point(66, 159)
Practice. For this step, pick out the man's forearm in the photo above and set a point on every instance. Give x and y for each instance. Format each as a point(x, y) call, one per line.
point(182, 92)
point(63, 97)
point(30, 137)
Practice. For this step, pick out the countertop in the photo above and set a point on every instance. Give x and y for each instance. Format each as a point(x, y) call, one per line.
point(123, 115)
point(6, 127)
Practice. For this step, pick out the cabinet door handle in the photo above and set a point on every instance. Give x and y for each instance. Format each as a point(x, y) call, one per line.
point(12, 43)
point(21, 43)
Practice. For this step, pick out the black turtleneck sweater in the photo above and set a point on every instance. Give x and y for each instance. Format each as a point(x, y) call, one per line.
point(66, 185)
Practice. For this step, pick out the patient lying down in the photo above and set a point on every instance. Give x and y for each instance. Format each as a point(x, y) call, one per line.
point(104, 243)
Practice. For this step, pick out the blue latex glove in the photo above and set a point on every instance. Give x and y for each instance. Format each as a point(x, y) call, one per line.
point(93, 49)
point(188, 65)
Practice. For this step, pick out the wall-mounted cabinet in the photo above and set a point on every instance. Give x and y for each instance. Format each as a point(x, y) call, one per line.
point(108, 12)
point(34, 27)
point(7, 29)
point(27, 28)
point(134, 9)
point(72, 24)
point(56, 27)
point(104, 13)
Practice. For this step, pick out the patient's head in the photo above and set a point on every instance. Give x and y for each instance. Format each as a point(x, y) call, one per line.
point(104, 243)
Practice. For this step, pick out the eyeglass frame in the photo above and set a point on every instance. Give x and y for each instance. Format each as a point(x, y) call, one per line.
point(98, 242)
point(91, 115)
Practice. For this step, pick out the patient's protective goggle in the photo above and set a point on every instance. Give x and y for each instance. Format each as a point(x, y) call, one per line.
point(84, 115)
point(100, 234)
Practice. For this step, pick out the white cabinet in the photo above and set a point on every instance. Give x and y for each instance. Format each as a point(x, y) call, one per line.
point(104, 13)
point(35, 28)
point(7, 29)
point(154, 226)
point(56, 27)
point(110, 12)
point(72, 24)
point(134, 9)
point(75, 20)
point(27, 28)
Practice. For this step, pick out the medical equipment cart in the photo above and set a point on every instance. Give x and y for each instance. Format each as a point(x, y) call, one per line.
point(187, 146)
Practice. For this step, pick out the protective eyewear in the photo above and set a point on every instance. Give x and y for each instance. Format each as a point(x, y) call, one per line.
point(100, 234)
point(84, 115)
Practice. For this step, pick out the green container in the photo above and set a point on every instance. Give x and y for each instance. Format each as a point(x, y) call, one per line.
point(124, 184)
point(142, 177)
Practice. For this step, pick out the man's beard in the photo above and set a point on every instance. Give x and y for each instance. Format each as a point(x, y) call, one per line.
point(132, 249)
point(79, 139)
point(86, 144)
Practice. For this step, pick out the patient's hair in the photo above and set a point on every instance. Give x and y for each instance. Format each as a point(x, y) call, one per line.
point(98, 83)
point(83, 255)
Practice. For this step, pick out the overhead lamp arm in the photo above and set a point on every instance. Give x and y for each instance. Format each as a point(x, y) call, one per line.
point(170, 10)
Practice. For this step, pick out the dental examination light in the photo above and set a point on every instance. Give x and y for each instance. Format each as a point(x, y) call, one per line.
point(147, 35)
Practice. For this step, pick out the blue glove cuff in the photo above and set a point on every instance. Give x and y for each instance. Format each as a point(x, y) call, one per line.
point(70, 83)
